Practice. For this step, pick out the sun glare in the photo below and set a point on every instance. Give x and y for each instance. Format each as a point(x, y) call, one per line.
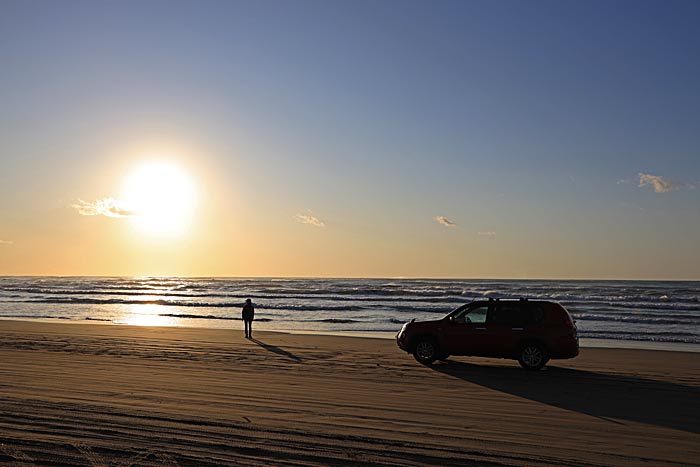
point(162, 197)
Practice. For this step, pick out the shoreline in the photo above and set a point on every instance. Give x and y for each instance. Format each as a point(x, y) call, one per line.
point(383, 335)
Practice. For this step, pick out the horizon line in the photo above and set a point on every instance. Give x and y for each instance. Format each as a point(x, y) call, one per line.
point(568, 279)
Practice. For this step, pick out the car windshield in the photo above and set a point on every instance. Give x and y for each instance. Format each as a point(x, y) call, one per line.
point(457, 311)
point(473, 313)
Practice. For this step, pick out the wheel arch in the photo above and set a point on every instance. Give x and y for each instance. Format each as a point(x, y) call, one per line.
point(418, 337)
point(533, 340)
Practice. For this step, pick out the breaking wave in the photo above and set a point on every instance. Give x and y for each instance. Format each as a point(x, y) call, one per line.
point(664, 311)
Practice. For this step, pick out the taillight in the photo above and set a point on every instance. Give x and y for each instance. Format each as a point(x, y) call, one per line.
point(568, 320)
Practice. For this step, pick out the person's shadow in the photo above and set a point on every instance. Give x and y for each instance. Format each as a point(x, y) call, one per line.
point(276, 350)
point(605, 396)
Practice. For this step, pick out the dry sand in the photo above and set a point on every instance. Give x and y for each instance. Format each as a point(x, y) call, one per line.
point(80, 394)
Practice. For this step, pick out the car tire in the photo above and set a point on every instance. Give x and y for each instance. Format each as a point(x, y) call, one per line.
point(425, 351)
point(533, 356)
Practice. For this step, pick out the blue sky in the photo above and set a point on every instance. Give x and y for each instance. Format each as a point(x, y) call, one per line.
point(532, 120)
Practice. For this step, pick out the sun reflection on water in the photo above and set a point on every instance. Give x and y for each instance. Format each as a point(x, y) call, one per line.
point(147, 315)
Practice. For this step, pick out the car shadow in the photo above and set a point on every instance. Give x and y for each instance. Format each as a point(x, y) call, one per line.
point(276, 350)
point(606, 396)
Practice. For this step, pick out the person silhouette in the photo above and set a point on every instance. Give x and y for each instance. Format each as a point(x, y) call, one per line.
point(248, 314)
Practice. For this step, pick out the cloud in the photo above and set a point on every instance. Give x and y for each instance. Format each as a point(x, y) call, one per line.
point(109, 207)
point(660, 184)
point(491, 235)
point(309, 219)
point(6, 242)
point(445, 221)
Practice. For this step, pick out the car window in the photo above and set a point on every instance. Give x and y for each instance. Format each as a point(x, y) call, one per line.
point(507, 314)
point(473, 315)
point(516, 314)
point(535, 313)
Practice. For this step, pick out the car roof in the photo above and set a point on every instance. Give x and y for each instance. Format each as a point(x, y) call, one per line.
point(510, 300)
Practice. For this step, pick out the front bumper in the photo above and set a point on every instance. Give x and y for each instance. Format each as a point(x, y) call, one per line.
point(401, 339)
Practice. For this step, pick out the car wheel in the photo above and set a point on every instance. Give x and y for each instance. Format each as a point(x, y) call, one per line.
point(533, 357)
point(425, 351)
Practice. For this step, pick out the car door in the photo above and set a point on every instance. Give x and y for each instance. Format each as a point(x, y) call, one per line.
point(506, 327)
point(466, 332)
point(533, 314)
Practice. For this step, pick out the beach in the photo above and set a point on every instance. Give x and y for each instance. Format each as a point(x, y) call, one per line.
point(99, 395)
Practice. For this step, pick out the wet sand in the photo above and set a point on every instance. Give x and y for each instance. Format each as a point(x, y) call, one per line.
point(98, 395)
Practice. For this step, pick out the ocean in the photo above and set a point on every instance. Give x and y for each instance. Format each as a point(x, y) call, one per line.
point(625, 311)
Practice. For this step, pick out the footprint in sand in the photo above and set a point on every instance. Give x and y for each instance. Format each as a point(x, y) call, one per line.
point(20, 458)
point(96, 460)
point(166, 460)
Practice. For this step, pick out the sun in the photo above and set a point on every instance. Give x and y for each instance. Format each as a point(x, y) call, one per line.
point(161, 196)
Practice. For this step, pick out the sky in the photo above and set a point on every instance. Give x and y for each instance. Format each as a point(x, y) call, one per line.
point(465, 139)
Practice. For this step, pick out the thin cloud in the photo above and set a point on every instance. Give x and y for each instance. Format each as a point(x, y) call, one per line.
point(6, 242)
point(632, 206)
point(445, 221)
point(309, 219)
point(108, 207)
point(660, 184)
point(491, 235)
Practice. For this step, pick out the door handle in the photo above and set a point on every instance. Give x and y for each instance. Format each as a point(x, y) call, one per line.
point(480, 329)
point(517, 329)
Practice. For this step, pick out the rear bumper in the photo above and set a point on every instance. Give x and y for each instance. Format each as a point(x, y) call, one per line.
point(566, 347)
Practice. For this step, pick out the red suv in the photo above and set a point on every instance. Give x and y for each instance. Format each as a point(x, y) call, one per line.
point(530, 331)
